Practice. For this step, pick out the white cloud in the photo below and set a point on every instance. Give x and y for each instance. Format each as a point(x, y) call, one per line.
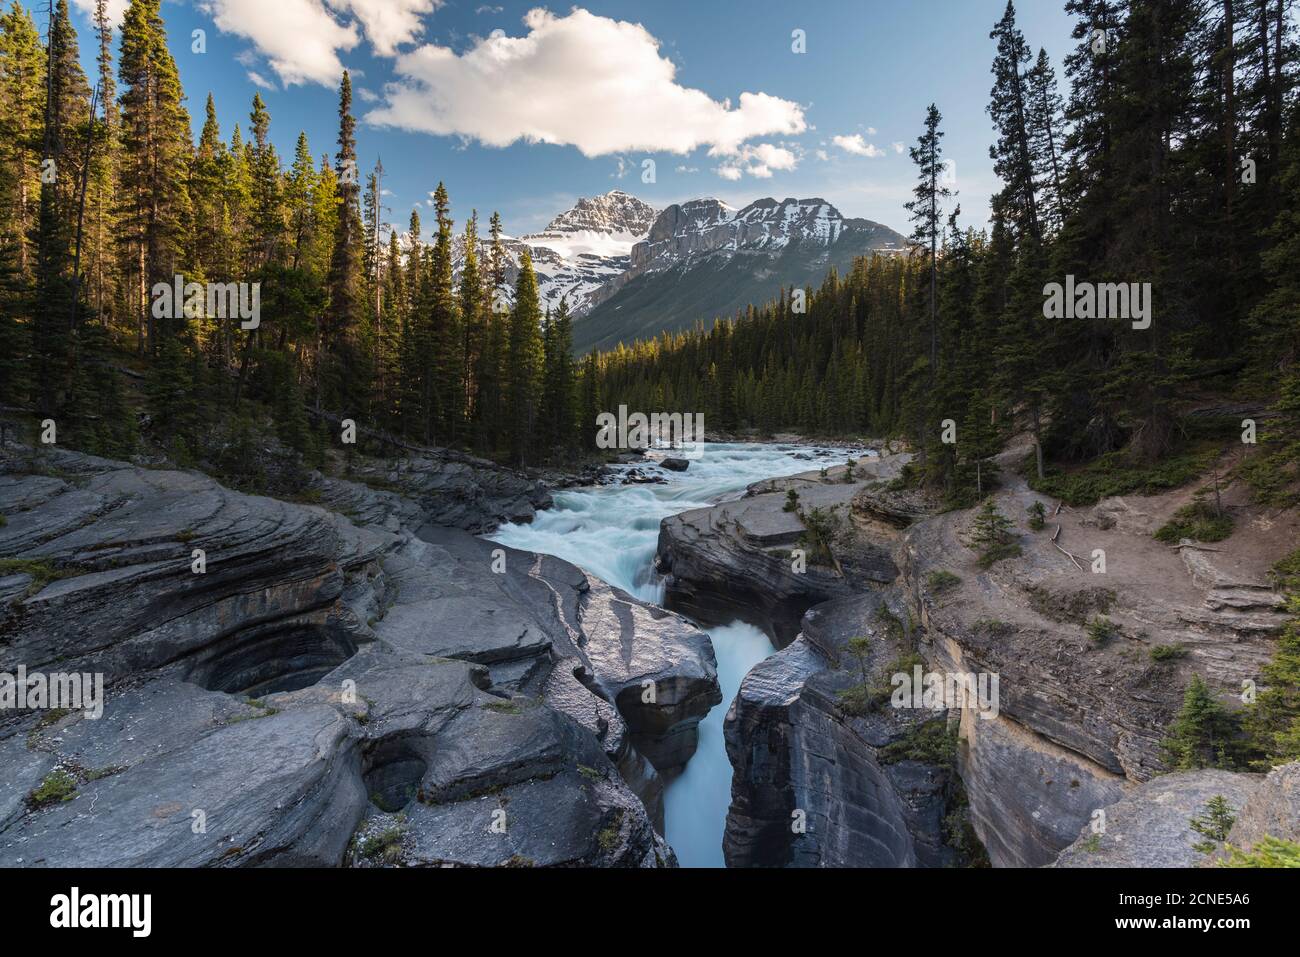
point(365, 95)
point(299, 38)
point(488, 9)
point(115, 9)
point(687, 169)
point(258, 80)
point(898, 148)
point(871, 131)
point(821, 155)
point(591, 82)
point(856, 145)
point(621, 169)
point(388, 23)
point(759, 161)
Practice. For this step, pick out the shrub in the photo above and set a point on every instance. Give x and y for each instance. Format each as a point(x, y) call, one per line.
point(791, 501)
point(1269, 851)
point(1168, 652)
point(1101, 629)
point(991, 533)
point(1200, 521)
point(58, 786)
point(1116, 474)
point(822, 526)
point(1274, 720)
point(997, 553)
point(1037, 516)
point(1076, 606)
point(1204, 734)
point(940, 580)
point(930, 742)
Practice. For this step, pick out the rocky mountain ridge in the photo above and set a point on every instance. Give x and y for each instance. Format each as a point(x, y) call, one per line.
point(621, 264)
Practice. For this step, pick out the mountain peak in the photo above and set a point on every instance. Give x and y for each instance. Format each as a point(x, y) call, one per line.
point(614, 212)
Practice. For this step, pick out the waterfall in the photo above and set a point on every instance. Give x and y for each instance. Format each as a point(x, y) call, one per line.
point(611, 531)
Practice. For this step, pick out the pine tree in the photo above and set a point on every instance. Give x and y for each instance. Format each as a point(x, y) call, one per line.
point(1046, 137)
point(299, 187)
point(23, 94)
point(155, 149)
point(264, 168)
point(1201, 736)
point(472, 311)
point(1273, 722)
point(447, 341)
point(55, 282)
point(103, 288)
point(524, 364)
point(927, 213)
point(560, 383)
point(1012, 154)
point(346, 378)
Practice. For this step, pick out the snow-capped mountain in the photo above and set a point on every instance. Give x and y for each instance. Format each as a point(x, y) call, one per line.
point(630, 271)
point(581, 249)
point(703, 259)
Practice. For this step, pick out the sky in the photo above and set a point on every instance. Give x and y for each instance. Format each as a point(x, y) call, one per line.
point(524, 108)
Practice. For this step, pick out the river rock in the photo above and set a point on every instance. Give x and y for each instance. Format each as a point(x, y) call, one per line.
point(799, 758)
point(320, 678)
point(675, 464)
point(736, 560)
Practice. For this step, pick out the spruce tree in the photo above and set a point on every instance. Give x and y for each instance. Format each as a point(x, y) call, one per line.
point(1201, 736)
point(346, 378)
point(524, 365)
point(155, 149)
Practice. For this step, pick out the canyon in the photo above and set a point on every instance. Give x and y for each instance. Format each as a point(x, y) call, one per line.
point(434, 660)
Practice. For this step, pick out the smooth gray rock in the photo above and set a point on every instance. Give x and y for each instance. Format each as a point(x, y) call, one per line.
point(735, 560)
point(323, 675)
point(1273, 810)
point(1151, 825)
point(796, 752)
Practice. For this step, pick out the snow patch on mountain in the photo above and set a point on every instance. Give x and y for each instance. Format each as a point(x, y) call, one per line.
point(579, 251)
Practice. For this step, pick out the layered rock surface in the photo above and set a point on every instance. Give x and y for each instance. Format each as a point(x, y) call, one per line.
point(1081, 721)
point(324, 691)
point(810, 789)
point(1152, 825)
point(736, 560)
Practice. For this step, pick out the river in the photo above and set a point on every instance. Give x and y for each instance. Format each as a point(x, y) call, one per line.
point(611, 531)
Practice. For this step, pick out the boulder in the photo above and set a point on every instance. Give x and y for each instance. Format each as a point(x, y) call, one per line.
point(1151, 825)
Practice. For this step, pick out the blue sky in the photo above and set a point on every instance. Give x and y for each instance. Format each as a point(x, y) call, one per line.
point(611, 84)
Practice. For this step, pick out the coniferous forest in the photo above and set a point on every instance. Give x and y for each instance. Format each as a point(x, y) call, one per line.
point(1168, 155)
point(368, 585)
point(106, 197)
